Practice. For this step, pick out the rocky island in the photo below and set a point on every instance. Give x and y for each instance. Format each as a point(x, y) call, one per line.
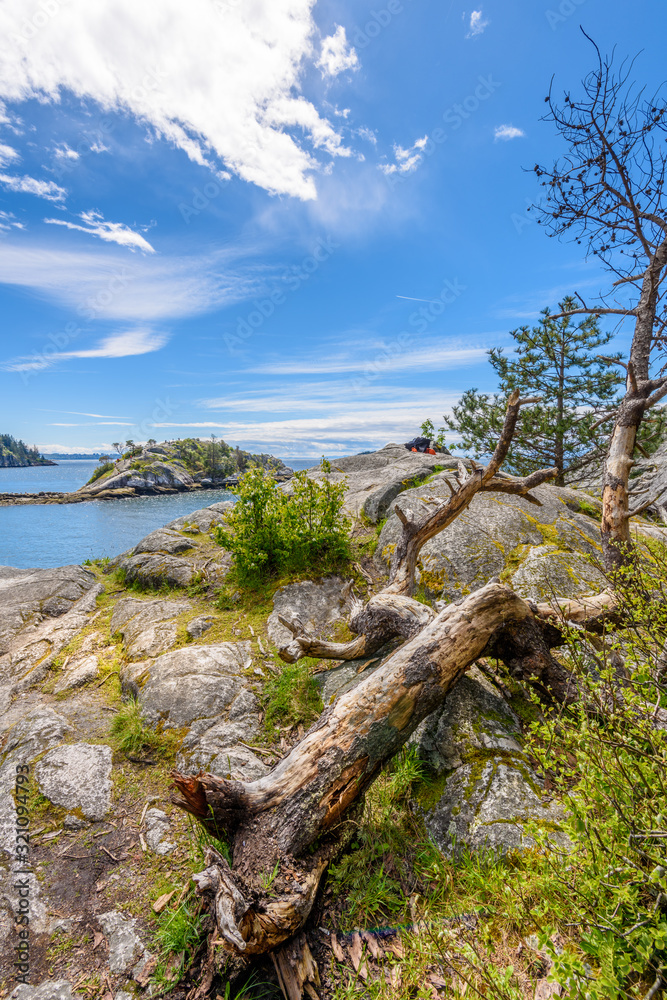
point(155, 468)
point(17, 454)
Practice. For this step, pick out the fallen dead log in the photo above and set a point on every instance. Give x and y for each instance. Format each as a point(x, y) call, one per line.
point(284, 828)
point(392, 614)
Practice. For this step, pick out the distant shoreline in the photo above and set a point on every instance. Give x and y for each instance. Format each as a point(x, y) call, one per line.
point(124, 493)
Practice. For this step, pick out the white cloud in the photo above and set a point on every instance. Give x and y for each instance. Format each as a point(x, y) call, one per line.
point(219, 81)
point(341, 431)
point(80, 413)
point(407, 160)
point(477, 24)
point(71, 449)
point(123, 345)
point(130, 343)
point(63, 152)
point(337, 55)
point(112, 232)
point(9, 221)
point(102, 423)
point(8, 153)
point(368, 134)
point(106, 284)
point(28, 185)
point(506, 132)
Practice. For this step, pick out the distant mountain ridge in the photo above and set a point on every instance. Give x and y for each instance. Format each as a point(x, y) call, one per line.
point(17, 454)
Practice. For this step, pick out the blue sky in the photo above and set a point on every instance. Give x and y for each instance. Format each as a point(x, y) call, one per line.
point(297, 225)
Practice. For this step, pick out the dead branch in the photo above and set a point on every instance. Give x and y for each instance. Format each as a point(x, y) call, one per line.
point(417, 531)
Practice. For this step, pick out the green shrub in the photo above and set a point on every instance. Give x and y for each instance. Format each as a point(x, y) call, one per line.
point(101, 470)
point(274, 533)
point(612, 885)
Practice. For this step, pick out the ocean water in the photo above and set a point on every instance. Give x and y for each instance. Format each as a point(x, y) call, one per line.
point(46, 535)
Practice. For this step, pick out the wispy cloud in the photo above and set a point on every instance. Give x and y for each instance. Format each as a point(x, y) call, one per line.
point(9, 221)
point(344, 421)
point(105, 284)
point(29, 185)
point(123, 345)
point(337, 55)
point(506, 132)
point(427, 359)
point(477, 24)
point(103, 423)
point(336, 432)
point(129, 343)
point(8, 154)
point(112, 232)
point(64, 152)
point(407, 160)
point(79, 413)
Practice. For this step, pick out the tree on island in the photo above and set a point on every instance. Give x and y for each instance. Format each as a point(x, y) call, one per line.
point(16, 452)
point(607, 192)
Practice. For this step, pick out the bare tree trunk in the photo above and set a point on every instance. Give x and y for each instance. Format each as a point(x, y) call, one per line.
point(615, 525)
point(642, 393)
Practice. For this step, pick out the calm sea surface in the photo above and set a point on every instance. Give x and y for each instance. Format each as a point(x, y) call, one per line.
point(41, 535)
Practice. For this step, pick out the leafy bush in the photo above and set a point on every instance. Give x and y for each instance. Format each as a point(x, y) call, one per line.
point(612, 886)
point(272, 532)
point(101, 470)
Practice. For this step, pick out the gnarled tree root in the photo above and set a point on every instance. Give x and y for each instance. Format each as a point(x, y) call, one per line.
point(384, 617)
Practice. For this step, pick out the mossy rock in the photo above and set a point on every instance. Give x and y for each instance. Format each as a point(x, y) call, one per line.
point(482, 789)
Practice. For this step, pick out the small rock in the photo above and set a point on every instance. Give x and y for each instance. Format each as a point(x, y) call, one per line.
point(84, 671)
point(48, 990)
point(123, 995)
point(198, 626)
point(125, 946)
point(157, 827)
point(77, 776)
point(73, 822)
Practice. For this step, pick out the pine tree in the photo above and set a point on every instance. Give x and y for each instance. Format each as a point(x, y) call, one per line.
point(558, 362)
